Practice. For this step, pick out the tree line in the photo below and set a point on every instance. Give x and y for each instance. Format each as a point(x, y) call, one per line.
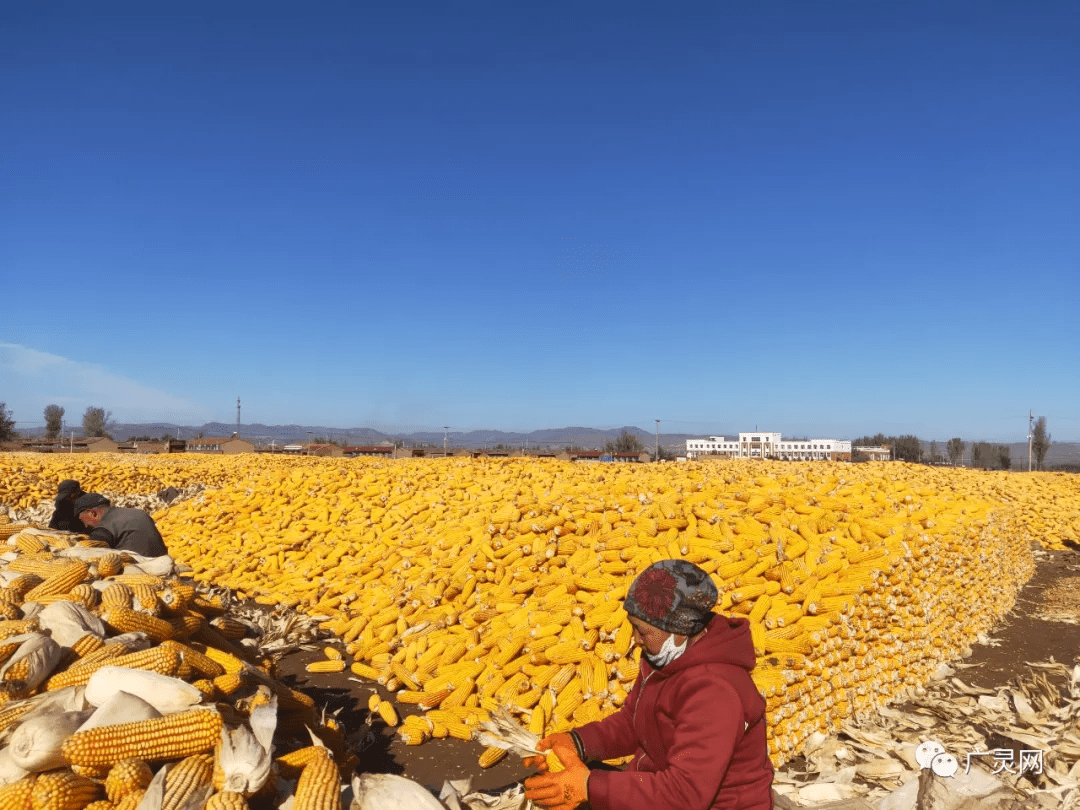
point(984, 455)
point(95, 421)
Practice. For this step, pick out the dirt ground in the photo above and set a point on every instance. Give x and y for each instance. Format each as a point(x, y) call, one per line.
point(1044, 624)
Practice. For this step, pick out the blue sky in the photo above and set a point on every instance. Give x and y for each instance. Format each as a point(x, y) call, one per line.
point(829, 218)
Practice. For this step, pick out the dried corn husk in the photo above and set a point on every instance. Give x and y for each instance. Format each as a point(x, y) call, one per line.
point(121, 707)
point(385, 791)
point(9, 771)
point(35, 744)
point(245, 756)
point(503, 731)
point(162, 692)
point(43, 654)
point(67, 622)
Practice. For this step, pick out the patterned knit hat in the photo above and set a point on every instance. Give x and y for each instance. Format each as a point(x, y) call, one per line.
point(674, 595)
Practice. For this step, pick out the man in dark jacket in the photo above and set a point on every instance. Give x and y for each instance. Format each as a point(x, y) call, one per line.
point(64, 517)
point(123, 529)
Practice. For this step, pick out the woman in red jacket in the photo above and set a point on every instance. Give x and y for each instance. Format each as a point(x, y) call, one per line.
point(694, 722)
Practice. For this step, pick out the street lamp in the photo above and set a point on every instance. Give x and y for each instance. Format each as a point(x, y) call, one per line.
point(657, 456)
point(445, 428)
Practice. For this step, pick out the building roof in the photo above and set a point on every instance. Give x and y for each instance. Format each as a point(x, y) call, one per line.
point(370, 448)
point(216, 440)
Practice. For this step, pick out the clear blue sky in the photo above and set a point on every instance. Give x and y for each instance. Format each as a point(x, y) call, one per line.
point(828, 218)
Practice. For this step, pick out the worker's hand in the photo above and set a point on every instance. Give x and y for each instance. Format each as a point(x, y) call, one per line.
point(564, 790)
point(558, 743)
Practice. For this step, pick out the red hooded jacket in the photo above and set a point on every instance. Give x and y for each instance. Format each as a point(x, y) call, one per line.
point(696, 730)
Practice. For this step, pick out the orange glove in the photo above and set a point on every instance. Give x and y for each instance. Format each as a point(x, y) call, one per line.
point(562, 744)
point(564, 790)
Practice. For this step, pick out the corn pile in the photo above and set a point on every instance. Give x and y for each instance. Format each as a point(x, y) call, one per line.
point(109, 669)
point(30, 479)
point(469, 585)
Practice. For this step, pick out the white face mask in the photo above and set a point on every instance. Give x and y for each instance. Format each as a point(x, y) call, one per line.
point(668, 652)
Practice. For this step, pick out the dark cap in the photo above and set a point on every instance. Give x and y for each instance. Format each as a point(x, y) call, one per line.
point(68, 487)
point(91, 500)
point(674, 595)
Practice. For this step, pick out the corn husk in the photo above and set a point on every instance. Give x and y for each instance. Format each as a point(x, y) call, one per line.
point(386, 791)
point(503, 731)
point(121, 707)
point(9, 771)
point(245, 755)
point(67, 622)
point(35, 745)
point(44, 654)
point(162, 692)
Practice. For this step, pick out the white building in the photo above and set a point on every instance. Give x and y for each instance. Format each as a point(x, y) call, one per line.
point(769, 445)
point(875, 453)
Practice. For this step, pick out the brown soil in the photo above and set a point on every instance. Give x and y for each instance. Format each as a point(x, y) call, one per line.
point(1044, 624)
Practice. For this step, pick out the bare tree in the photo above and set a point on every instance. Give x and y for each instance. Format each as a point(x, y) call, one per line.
point(7, 423)
point(1003, 457)
point(626, 443)
point(96, 421)
point(955, 449)
point(54, 421)
point(1040, 442)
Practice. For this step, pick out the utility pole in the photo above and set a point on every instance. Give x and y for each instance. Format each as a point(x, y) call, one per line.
point(657, 456)
point(1031, 420)
point(238, 417)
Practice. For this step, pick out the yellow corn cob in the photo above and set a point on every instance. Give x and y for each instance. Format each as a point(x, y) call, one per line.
point(230, 662)
point(100, 804)
point(411, 735)
point(126, 620)
point(294, 761)
point(87, 594)
point(362, 670)
point(16, 795)
point(170, 737)
point(145, 600)
point(117, 595)
point(187, 776)
point(17, 627)
point(326, 666)
point(177, 598)
point(387, 713)
point(199, 662)
point(42, 565)
point(229, 683)
point(319, 787)
point(12, 713)
point(109, 565)
point(226, 800)
point(159, 659)
point(62, 790)
point(19, 671)
point(30, 543)
point(490, 756)
point(95, 772)
point(230, 628)
point(131, 801)
point(62, 581)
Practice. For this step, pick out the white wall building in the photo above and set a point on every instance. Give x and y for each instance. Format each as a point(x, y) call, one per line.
point(769, 445)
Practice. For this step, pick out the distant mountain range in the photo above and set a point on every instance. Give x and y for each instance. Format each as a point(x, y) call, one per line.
point(547, 439)
point(585, 438)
